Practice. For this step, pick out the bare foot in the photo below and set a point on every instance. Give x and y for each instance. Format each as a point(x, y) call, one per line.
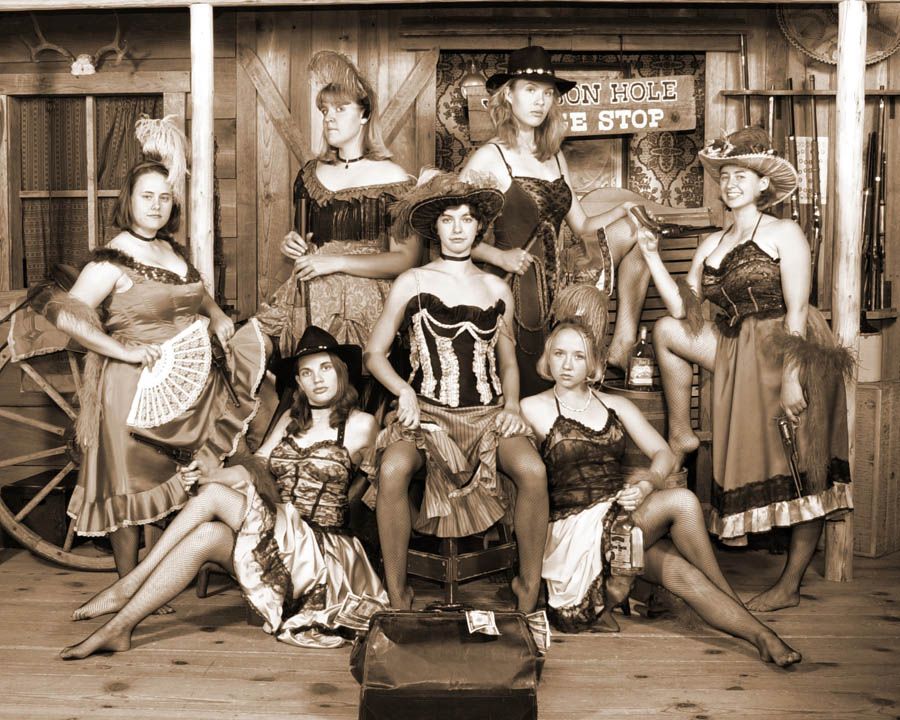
point(163, 610)
point(774, 650)
point(526, 597)
point(109, 600)
point(775, 598)
point(103, 640)
point(403, 600)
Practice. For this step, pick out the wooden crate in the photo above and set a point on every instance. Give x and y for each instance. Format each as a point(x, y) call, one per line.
point(876, 494)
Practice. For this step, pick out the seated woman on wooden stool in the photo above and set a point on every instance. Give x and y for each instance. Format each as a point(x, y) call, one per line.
point(276, 520)
point(459, 412)
point(582, 434)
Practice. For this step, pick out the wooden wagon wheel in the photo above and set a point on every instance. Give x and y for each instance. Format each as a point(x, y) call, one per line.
point(14, 521)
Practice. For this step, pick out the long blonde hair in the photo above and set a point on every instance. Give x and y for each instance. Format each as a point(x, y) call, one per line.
point(548, 136)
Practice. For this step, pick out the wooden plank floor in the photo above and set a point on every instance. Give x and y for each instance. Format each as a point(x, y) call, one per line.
point(206, 662)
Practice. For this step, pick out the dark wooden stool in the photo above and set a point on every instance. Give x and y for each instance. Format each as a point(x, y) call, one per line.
point(450, 567)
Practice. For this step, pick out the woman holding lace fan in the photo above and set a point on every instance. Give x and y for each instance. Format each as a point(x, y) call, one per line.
point(277, 520)
point(343, 199)
point(142, 311)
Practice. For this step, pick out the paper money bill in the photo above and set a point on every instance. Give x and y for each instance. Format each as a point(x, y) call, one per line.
point(481, 621)
point(540, 630)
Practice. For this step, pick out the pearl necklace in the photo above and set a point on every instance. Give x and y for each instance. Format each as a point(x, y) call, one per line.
point(569, 407)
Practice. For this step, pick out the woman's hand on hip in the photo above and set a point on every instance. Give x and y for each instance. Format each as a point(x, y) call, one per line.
point(294, 246)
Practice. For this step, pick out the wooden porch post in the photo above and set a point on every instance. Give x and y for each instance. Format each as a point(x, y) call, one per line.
point(202, 200)
point(846, 292)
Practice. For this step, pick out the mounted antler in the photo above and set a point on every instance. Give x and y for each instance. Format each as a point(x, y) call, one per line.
point(44, 44)
point(117, 46)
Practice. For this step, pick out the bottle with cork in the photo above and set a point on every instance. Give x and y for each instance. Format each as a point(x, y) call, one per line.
point(641, 362)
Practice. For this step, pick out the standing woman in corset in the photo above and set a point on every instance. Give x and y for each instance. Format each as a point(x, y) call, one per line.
point(525, 156)
point(343, 199)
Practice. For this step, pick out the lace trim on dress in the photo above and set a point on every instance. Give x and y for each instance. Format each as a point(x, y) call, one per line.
point(151, 272)
point(322, 195)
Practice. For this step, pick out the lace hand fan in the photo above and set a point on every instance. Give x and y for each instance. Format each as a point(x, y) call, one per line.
point(175, 381)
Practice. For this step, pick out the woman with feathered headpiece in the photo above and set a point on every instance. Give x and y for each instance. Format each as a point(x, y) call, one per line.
point(343, 252)
point(140, 308)
point(458, 411)
point(776, 367)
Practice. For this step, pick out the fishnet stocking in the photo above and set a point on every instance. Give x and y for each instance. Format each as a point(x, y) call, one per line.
point(665, 566)
point(677, 512)
point(676, 349)
point(517, 457)
point(632, 280)
point(400, 461)
point(786, 591)
point(212, 502)
point(125, 542)
point(209, 542)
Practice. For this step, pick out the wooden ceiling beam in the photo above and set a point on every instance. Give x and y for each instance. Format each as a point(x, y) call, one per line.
point(61, 5)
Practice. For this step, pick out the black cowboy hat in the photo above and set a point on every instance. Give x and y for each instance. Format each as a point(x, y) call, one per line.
point(316, 340)
point(529, 63)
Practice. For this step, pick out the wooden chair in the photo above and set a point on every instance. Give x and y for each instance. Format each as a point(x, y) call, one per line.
point(451, 567)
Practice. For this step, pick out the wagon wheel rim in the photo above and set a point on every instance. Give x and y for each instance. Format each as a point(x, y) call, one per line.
point(14, 521)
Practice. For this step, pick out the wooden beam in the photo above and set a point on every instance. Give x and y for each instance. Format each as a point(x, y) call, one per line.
point(60, 5)
point(846, 291)
point(287, 125)
point(90, 128)
point(5, 220)
point(415, 82)
point(245, 170)
point(202, 144)
point(109, 83)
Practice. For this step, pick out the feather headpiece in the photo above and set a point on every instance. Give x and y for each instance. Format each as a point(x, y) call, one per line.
point(585, 305)
point(161, 139)
point(334, 69)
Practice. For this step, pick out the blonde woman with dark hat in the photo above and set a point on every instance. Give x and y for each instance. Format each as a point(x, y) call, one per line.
point(532, 172)
point(771, 354)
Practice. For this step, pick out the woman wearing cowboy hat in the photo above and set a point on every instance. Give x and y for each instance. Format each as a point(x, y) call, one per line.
point(276, 520)
point(525, 156)
point(458, 413)
point(771, 354)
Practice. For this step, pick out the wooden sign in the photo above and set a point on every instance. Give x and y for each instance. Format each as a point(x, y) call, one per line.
point(600, 105)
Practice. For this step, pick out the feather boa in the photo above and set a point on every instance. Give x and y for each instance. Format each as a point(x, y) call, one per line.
point(693, 306)
point(822, 363)
point(57, 305)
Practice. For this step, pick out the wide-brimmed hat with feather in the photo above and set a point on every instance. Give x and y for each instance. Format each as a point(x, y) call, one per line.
point(751, 148)
point(420, 208)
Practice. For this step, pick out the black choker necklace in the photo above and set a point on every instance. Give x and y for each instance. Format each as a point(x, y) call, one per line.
point(142, 237)
point(455, 258)
point(347, 161)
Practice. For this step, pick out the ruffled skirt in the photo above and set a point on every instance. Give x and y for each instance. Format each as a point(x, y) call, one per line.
point(296, 577)
point(753, 490)
point(464, 494)
point(123, 482)
point(574, 568)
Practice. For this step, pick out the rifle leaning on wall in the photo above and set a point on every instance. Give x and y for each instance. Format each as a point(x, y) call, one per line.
point(814, 232)
point(792, 152)
point(868, 225)
point(875, 289)
point(882, 287)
